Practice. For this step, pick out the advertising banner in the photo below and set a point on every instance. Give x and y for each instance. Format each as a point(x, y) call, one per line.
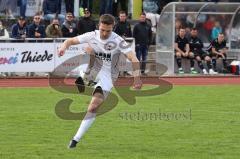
point(41, 56)
point(26, 57)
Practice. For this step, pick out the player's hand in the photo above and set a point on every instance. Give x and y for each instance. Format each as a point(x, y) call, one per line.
point(184, 54)
point(89, 50)
point(61, 52)
point(137, 84)
point(37, 34)
point(221, 54)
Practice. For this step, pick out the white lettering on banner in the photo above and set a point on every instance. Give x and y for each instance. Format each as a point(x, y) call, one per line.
point(70, 67)
point(73, 49)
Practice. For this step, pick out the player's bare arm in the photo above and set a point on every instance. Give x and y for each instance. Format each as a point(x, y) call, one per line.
point(66, 44)
point(214, 51)
point(220, 53)
point(223, 51)
point(136, 70)
point(89, 50)
point(187, 49)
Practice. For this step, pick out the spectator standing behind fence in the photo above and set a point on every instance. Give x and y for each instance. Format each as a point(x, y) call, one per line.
point(86, 24)
point(86, 4)
point(123, 27)
point(36, 30)
point(216, 30)
point(152, 10)
point(182, 51)
point(19, 30)
point(218, 49)
point(106, 7)
point(52, 9)
point(69, 5)
point(69, 27)
point(53, 30)
point(123, 5)
point(196, 47)
point(3, 31)
point(142, 34)
point(8, 6)
point(23, 6)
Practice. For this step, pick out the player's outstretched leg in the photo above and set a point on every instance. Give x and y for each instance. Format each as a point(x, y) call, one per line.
point(89, 118)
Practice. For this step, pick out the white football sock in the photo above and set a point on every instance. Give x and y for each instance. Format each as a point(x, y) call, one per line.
point(86, 123)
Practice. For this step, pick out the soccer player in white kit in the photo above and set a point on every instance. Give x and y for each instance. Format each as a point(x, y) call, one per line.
point(106, 46)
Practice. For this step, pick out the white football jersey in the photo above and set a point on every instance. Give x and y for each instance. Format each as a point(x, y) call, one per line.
point(107, 51)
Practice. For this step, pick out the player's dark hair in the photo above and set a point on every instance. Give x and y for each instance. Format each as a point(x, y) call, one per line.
point(107, 19)
point(69, 13)
point(194, 28)
point(37, 14)
point(122, 12)
point(55, 18)
point(182, 28)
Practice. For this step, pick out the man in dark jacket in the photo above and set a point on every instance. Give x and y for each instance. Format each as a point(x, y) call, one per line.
point(52, 9)
point(69, 27)
point(36, 30)
point(86, 24)
point(19, 30)
point(142, 34)
point(123, 28)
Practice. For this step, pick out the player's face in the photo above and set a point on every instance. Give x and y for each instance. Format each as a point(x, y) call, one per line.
point(194, 33)
point(182, 32)
point(37, 19)
point(142, 18)
point(105, 31)
point(122, 17)
point(69, 17)
point(220, 38)
point(21, 22)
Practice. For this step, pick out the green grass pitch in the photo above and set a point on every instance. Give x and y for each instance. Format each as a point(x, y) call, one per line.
point(197, 122)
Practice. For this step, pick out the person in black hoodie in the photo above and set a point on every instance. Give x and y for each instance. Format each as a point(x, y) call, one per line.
point(86, 24)
point(69, 27)
point(142, 33)
point(19, 30)
point(123, 28)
